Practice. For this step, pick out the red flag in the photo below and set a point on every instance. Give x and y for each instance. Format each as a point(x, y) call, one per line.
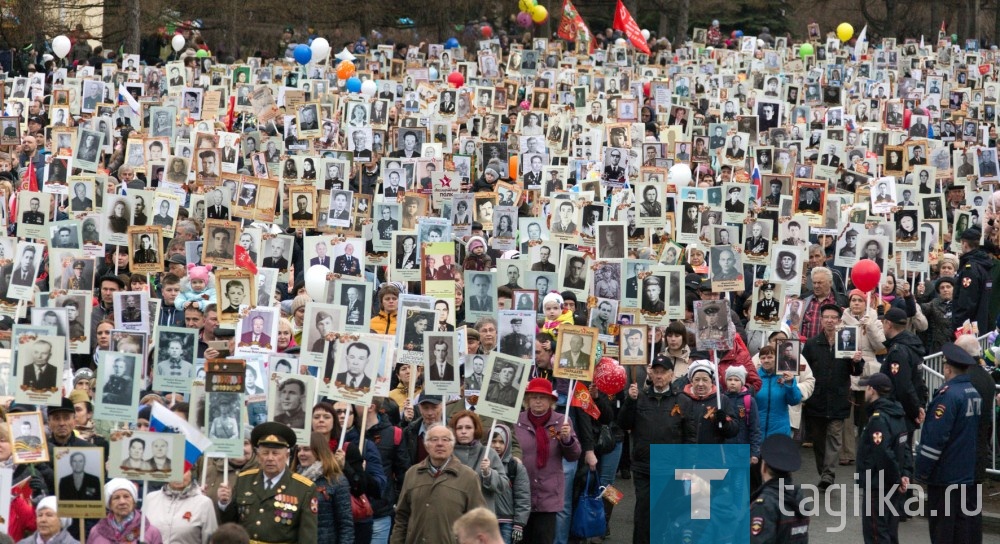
point(244, 261)
point(573, 28)
point(583, 400)
point(230, 113)
point(32, 177)
point(625, 23)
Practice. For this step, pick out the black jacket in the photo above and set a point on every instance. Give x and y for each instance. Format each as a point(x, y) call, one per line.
point(768, 523)
point(831, 397)
point(705, 428)
point(986, 387)
point(653, 418)
point(973, 285)
point(395, 463)
point(902, 365)
point(884, 445)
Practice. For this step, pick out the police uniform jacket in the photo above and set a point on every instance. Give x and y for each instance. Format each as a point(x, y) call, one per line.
point(884, 445)
point(947, 450)
point(972, 290)
point(286, 513)
point(767, 522)
point(902, 366)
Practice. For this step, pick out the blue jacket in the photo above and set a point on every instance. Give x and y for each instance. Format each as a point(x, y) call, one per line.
point(335, 523)
point(749, 423)
point(373, 460)
point(947, 452)
point(773, 401)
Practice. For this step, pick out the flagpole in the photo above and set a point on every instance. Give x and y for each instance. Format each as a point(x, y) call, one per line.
point(569, 401)
point(489, 438)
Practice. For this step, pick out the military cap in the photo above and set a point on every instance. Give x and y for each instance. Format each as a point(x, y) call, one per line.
point(273, 434)
point(954, 355)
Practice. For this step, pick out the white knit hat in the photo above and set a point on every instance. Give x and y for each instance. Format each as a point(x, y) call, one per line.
point(117, 484)
point(701, 365)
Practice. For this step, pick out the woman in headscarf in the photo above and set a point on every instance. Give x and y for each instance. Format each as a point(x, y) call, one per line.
point(181, 512)
point(124, 519)
point(51, 528)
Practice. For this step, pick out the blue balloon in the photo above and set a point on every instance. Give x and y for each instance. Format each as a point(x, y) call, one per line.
point(739, 33)
point(302, 54)
point(354, 84)
point(452, 43)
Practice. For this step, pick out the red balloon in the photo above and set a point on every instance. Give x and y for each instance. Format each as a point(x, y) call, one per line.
point(865, 275)
point(609, 376)
point(486, 31)
point(907, 113)
point(456, 79)
point(645, 89)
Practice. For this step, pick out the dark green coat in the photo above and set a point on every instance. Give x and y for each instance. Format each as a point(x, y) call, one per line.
point(284, 514)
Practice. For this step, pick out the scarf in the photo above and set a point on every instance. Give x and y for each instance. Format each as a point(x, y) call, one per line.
point(541, 437)
point(174, 494)
point(313, 471)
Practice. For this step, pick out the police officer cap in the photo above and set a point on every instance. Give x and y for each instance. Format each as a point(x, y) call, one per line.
point(664, 361)
point(956, 356)
point(273, 434)
point(734, 190)
point(711, 310)
point(972, 235)
point(79, 264)
point(878, 381)
point(767, 287)
point(781, 453)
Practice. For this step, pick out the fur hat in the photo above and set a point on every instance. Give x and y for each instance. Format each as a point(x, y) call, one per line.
point(196, 272)
point(473, 241)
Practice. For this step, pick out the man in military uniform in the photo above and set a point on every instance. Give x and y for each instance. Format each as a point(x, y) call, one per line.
point(884, 460)
point(713, 327)
point(131, 313)
point(769, 519)
point(516, 344)
point(767, 308)
point(271, 502)
point(652, 300)
point(946, 457)
point(76, 281)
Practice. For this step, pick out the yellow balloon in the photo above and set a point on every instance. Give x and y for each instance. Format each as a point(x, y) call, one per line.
point(526, 5)
point(845, 31)
point(539, 14)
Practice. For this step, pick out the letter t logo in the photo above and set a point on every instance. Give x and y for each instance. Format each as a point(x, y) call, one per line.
point(701, 488)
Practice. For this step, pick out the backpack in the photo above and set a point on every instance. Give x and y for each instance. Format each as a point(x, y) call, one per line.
point(746, 404)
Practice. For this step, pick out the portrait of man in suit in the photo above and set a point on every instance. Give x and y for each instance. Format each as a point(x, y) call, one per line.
point(355, 305)
point(440, 367)
point(575, 358)
point(25, 273)
point(321, 257)
point(79, 485)
point(340, 212)
point(276, 259)
point(216, 209)
point(482, 300)
point(40, 375)
point(407, 257)
point(355, 377)
point(256, 335)
point(302, 213)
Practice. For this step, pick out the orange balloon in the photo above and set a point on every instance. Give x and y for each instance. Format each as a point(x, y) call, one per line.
point(345, 69)
point(512, 167)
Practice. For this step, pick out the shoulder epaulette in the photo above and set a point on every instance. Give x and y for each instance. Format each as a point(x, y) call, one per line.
point(874, 414)
point(250, 472)
point(302, 480)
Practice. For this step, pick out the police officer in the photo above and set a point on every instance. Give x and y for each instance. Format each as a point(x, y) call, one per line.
point(272, 503)
point(946, 457)
point(884, 460)
point(769, 522)
point(973, 283)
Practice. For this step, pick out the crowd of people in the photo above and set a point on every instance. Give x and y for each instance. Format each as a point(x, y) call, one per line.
point(459, 280)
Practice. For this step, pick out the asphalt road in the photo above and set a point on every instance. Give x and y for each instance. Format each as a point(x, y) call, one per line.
point(822, 528)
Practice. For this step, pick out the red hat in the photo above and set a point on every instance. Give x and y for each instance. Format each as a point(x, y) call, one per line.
point(541, 386)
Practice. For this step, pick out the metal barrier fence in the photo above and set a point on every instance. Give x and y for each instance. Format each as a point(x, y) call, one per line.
point(934, 378)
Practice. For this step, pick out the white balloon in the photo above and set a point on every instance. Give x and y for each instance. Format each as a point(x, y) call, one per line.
point(761, 44)
point(645, 34)
point(177, 42)
point(620, 42)
point(678, 176)
point(61, 46)
point(368, 88)
point(344, 55)
point(320, 48)
point(316, 281)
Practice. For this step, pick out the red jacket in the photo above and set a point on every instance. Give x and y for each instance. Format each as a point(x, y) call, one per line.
point(739, 356)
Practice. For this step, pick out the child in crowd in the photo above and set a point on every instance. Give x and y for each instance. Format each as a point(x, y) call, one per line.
point(197, 288)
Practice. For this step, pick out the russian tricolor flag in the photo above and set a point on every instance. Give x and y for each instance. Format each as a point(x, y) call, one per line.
point(162, 420)
point(755, 180)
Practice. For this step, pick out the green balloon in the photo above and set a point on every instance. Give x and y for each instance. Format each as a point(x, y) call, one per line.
point(805, 50)
point(201, 54)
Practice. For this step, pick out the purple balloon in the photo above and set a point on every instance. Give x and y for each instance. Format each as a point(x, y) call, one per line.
point(524, 19)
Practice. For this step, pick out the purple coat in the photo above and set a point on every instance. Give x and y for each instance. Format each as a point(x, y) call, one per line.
point(547, 484)
point(105, 533)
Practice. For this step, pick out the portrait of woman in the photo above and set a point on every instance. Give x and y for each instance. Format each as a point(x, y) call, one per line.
point(119, 219)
